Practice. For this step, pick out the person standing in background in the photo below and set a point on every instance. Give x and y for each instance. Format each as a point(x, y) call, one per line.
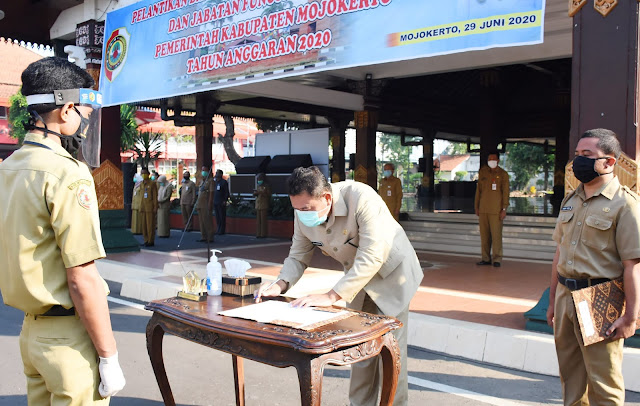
point(391, 190)
point(187, 200)
point(220, 202)
point(491, 202)
point(136, 201)
point(204, 204)
point(263, 199)
point(148, 208)
point(165, 189)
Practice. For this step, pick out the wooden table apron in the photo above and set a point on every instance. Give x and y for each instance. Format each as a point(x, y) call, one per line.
point(344, 342)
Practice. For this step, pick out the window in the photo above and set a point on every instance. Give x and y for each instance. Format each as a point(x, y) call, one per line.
point(3, 112)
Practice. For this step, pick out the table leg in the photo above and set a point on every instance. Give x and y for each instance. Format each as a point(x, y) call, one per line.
point(390, 354)
point(310, 377)
point(238, 378)
point(155, 334)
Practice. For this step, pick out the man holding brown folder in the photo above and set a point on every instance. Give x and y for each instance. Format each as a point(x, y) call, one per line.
point(598, 236)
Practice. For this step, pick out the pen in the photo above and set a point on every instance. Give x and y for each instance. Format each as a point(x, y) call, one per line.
point(267, 288)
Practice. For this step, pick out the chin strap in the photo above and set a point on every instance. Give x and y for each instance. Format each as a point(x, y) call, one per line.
point(68, 142)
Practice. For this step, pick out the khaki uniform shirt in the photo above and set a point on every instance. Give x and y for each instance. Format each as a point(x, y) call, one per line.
point(136, 201)
point(263, 197)
point(203, 194)
point(595, 235)
point(391, 192)
point(188, 193)
point(149, 190)
point(49, 222)
point(492, 191)
point(361, 234)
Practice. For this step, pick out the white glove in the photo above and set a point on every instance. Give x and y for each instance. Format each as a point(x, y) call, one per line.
point(111, 376)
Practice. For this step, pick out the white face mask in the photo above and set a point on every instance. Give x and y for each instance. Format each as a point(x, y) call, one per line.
point(492, 164)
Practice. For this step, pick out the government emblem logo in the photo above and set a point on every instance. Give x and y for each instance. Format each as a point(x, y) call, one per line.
point(116, 52)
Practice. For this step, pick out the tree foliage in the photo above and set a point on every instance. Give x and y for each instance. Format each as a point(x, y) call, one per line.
point(148, 147)
point(526, 161)
point(18, 116)
point(129, 127)
point(397, 154)
point(455, 148)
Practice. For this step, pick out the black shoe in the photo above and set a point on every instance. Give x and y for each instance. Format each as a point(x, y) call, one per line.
point(496, 264)
point(163, 236)
point(483, 263)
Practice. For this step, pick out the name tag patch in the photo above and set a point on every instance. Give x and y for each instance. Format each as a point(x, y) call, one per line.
point(317, 243)
point(567, 208)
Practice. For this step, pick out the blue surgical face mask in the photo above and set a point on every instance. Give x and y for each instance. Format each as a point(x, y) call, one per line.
point(260, 182)
point(204, 174)
point(387, 173)
point(312, 218)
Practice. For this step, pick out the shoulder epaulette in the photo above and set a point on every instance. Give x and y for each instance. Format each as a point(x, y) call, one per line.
point(631, 192)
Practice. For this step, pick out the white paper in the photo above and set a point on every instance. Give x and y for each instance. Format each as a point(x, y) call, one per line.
point(587, 323)
point(265, 312)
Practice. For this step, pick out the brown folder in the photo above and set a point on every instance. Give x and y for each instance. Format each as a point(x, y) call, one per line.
point(597, 307)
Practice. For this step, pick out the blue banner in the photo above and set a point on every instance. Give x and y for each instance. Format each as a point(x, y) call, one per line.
point(162, 48)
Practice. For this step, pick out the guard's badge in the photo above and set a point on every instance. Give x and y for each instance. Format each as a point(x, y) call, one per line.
point(606, 209)
point(345, 232)
point(567, 208)
point(84, 198)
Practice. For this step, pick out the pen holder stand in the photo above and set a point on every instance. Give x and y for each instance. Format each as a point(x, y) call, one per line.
point(240, 286)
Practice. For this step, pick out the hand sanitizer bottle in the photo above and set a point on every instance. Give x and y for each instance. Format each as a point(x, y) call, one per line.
point(214, 275)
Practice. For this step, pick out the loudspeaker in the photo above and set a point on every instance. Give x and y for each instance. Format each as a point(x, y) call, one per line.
point(352, 162)
point(287, 163)
point(253, 164)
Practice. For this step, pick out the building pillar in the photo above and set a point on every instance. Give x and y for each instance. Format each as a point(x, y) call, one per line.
point(206, 107)
point(605, 73)
point(487, 114)
point(428, 176)
point(366, 123)
point(110, 135)
point(337, 128)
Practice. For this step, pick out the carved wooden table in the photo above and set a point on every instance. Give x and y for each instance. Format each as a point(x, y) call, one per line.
point(344, 342)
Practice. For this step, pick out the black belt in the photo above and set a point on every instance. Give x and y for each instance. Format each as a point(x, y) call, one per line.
point(575, 284)
point(57, 310)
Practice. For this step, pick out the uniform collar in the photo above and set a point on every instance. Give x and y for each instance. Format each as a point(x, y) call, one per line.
point(338, 205)
point(608, 190)
point(48, 143)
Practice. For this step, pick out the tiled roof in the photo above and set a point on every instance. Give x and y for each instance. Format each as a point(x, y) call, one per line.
point(13, 60)
point(449, 162)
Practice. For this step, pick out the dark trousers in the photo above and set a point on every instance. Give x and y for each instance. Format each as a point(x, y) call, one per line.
point(221, 217)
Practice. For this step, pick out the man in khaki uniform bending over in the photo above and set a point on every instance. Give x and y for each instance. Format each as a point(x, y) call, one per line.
point(598, 236)
point(50, 238)
point(492, 200)
point(349, 222)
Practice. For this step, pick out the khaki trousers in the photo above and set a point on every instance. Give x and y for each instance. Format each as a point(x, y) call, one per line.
point(261, 223)
point(164, 230)
point(148, 226)
point(136, 222)
point(206, 226)
point(491, 237)
point(60, 362)
point(590, 375)
point(365, 384)
point(186, 212)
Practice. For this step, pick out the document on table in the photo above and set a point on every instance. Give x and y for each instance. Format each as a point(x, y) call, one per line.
point(281, 313)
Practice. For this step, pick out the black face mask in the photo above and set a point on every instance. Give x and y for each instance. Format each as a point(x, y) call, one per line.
point(71, 143)
point(583, 168)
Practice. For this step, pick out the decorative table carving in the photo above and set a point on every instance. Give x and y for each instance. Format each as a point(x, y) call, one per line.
point(344, 342)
